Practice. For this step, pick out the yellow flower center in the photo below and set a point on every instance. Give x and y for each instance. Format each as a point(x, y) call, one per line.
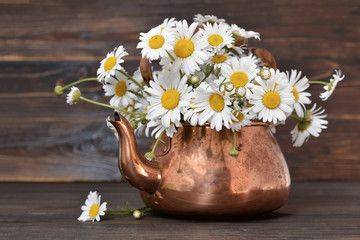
point(220, 58)
point(170, 99)
point(295, 93)
point(120, 88)
point(94, 210)
point(156, 41)
point(239, 116)
point(184, 48)
point(110, 63)
point(271, 99)
point(217, 102)
point(239, 79)
point(129, 108)
point(215, 40)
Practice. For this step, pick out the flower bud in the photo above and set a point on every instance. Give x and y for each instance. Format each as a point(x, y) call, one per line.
point(150, 156)
point(233, 153)
point(194, 79)
point(58, 90)
point(240, 92)
point(229, 86)
point(134, 124)
point(137, 214)
point(265, 73)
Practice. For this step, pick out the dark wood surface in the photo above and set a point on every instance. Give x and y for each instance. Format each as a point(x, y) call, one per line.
point(315, 210)
point(47, 42)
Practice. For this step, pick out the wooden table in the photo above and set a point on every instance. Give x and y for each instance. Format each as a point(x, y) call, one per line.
point(315, 210)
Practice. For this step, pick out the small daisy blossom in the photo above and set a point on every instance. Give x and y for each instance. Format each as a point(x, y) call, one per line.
point(120, 88)
point(156, 43)
point(198, 18)
point(92, 210)
point(189, 49)
point(272, 99)
point(243, 118)
point(299, 86)
point(312, 124)
point(329, 89)
point(158, 128)
point(213, 107)
point(169, 96)
point(218, 35)
point(168, 23)
point(73, 96)
point(241, 72)
point(239, 32)
point(220, 59)
point(111, 63)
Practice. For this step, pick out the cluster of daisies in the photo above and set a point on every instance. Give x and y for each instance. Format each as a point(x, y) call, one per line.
point(207, 76)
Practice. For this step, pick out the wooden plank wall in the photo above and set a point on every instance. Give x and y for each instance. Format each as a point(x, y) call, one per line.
point(47, 42)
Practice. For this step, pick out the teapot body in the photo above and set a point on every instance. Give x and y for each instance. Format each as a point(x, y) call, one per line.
point(200, 177)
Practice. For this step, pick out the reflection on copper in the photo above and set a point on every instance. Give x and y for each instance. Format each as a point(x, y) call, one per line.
point(200, 177)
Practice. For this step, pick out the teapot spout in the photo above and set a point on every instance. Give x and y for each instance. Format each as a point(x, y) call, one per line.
point(138, 171)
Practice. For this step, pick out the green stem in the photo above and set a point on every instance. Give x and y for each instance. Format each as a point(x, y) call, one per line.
point(172, 58)
point(109, 106)
point(133, 80)
point(137, 94)
point(319, 82)
point(234, 147)
point(79, 81)
point(208, 74)
point(296, 118)
point(157, 141)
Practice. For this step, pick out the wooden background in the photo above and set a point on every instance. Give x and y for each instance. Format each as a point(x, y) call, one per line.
point(47, 42)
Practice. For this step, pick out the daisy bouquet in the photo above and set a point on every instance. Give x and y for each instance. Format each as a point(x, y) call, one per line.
point(208, 75)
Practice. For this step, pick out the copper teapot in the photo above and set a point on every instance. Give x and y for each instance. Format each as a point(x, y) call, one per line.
point(195, 175)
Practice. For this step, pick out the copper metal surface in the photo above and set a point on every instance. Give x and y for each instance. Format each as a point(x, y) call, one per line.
point(199, 176)
point(145, 70)
point(139, 172)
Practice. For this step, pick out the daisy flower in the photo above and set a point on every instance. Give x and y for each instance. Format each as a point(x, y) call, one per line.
point(73, 96)
point(213, 107)
point(240, 72)
point(242, 119)
point(120, 88)
point(299, 86)
point(311, 124)
point(92, 210)
point(220, 59)
point(159, 128)
point(329, 89)
point(198, 18)
point(188, 52)
point(218, 35)
point(168, 23)
point(272, 99)
point(239, 33)
point(156, 43)
point(111, 63)
point(169, 96)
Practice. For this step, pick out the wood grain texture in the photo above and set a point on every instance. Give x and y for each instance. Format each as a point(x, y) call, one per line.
point(315, 210)
point(47, 42)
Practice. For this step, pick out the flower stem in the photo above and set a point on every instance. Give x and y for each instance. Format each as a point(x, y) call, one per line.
point(296, 118)
point(109, 106)
point(171, 56)
point(234, 146)
point(207, 74)
point(77, 82)
point(319, 82)
point(157, 141)
point(134, 81)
